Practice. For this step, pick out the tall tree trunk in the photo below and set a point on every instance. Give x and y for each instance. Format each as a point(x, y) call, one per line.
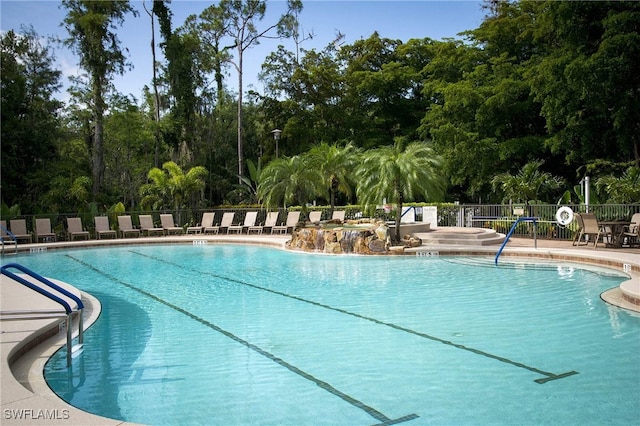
point(240, 155)
point(399, 217)
point(98, 145)
point(156, 95)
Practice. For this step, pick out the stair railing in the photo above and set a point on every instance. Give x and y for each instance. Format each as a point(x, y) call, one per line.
point(14, 240)
point(67, 307)
point(513, 227)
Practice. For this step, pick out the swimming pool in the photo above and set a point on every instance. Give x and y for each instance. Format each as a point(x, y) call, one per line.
point(250, 335)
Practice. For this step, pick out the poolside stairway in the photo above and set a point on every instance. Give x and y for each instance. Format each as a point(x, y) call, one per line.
point(458, 236)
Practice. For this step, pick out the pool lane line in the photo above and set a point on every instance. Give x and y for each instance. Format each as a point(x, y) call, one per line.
point(322, 384)
point(548, 375)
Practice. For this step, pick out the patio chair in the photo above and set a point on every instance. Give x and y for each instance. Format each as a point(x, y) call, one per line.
point(6, 237)
point(315, 216)
point(103, 228)
point(5, 234)
point(126, 227)
point(4, 231)
point(75, 229)
point(631, 233)
point(19, 230)
point(249, 221)
point(43, 230)
point(338, 215)
point(227, 221)
point(169, 225)
point(270, 221)
point(292, 221)
point(207, 222)
point(210, 227)
point(147, 227)
point(589, 227)
point(259, 228)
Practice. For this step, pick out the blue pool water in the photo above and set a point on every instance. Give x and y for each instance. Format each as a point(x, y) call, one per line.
point(251, 335)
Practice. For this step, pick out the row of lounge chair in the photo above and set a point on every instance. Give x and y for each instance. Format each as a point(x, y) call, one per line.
point(102, 229)
point(249, 224)
point(20, 233)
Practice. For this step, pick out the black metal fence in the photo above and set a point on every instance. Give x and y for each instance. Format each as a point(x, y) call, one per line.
point(499, 217)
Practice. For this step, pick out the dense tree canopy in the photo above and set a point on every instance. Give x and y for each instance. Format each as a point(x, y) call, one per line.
point(540, 89)
point(91, 26)
point(30, 117)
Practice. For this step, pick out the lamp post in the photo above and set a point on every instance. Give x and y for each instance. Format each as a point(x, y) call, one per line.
point(276, 137)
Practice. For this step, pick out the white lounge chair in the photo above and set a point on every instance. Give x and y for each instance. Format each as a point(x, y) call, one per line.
point(292, 220)
point(315, 216)
point(227, 220)
point(210, 227)
point(206, 223)
point(270, 221)
point(338, 215)
point(249, 221)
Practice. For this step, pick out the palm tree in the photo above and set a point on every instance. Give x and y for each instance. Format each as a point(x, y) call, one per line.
point(528, 185)
point(399, 173)
point(623, 189)
point(289, 180)
point(172, 186)
point(336, 166)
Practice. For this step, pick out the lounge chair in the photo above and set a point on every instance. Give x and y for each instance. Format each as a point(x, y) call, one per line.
point(19, 230)
point(5, 234)
point(126, 227)
point(4, 231)
point(292, 221)
point(315, 216)
point(6, 237)
point(207, 222)
point(259, 228)
point(631, 234)
point(75, 229)
point(589, 227)
point(103, 228)
point(169, 225)
point(270, 221)
point(147, 227)
point(249, 221)
point(208, 227)
point(338, 215)
point(43, 230)
point(227, 221)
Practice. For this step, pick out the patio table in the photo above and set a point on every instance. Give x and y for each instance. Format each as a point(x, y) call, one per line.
point(617, 229)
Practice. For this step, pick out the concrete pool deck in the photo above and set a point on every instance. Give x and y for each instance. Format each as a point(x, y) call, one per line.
point(26, 345)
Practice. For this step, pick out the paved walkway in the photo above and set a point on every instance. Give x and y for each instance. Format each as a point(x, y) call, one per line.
point(25, 345)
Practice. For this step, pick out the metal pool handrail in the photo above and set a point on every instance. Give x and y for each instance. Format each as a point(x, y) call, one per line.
point(14, 240)
point(513, 227)
point(68, 309)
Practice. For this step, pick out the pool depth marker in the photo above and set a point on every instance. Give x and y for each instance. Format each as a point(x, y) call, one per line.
point(324, 385)
point(548, 375)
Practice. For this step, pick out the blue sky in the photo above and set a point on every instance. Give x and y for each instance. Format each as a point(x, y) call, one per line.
point(356, 19)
